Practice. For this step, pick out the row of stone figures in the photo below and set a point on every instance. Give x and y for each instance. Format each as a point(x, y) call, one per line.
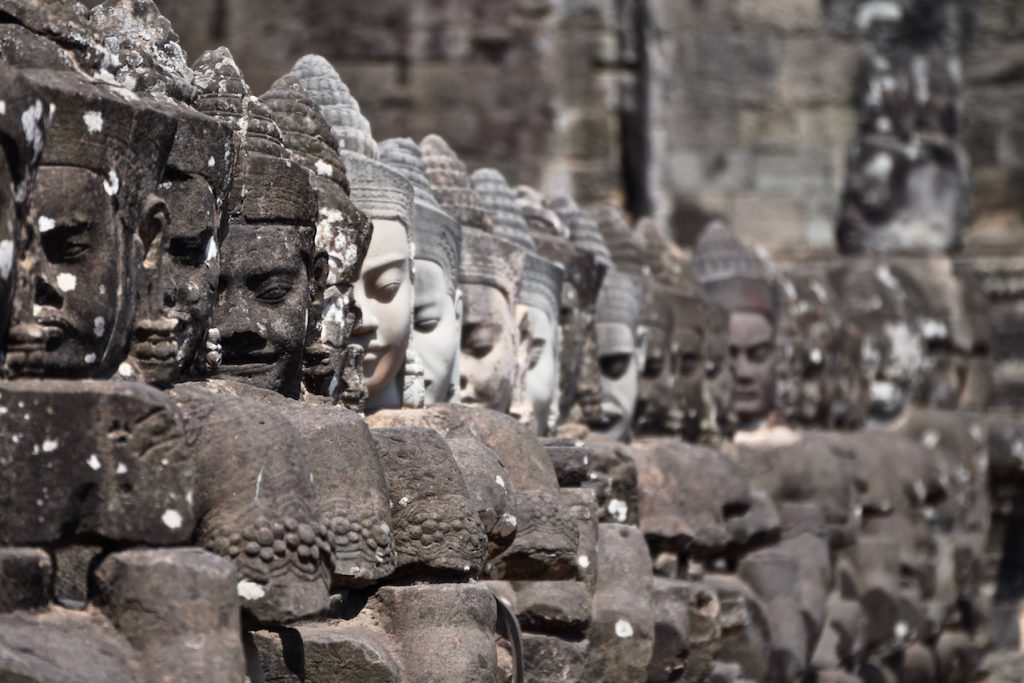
point(284, 403)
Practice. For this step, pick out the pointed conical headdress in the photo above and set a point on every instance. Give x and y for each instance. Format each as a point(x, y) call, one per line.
point(436, 235)
point(731, 273)
point(451, 184)
point(500, 202)
point(339, 107)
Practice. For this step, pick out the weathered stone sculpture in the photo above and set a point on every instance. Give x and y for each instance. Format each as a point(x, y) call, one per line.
point(23, 130)
point(906, 187)
point(490, 271)
point(538, 299)
point(342, 238)
point(580, 287)
point(733, 277)
point(451, 184)
point(438, 306)
point(71, 317)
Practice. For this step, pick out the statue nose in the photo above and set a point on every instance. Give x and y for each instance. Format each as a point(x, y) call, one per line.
point(46, 294)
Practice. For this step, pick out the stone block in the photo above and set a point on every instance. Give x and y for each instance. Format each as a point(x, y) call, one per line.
point(550, 659)
point(570, 458)
point(89, 457)
point(179, 611)
point(25, 574)
point(781, 15)
point(768, 218)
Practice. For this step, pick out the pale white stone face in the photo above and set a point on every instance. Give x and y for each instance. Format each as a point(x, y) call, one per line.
point(541, 380)
point(437, 330)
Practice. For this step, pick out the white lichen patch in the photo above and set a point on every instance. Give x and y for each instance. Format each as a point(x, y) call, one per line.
point(250, 590)
point(125, 370)
point(99, 326)
point(6, 258)
point(31, 123)
point(89, 358)
point(50, 445)
point(121, 468)
point(499, 481)
point(171, 519)
point(211, 251)
point(211, 162)
point(66, 282)
point(623, 629)
point(112, 183)
point(403, 501)
point(324, 169)
point(583, 561)
point(618, 509)
point(93, 462)
point(46, 224)
point(93, 121)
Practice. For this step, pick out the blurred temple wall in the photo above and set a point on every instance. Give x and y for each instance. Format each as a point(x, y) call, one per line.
point(681, 109)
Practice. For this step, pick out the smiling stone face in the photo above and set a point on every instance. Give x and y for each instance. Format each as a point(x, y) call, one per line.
point(384, 294)
point(83, 243)
point(263, 302)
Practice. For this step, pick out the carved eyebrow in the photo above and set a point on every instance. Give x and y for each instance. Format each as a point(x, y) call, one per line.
point(383, 263)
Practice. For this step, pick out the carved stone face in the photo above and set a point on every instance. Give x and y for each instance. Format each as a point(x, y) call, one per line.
point(437, 328)
point(752, 347)
point(488, 361)
point(542, 367)
point(689, 368)
point(191, 264)
point(76, 295)
point(263, 304)
point(619, 376)
point(384, 293)
point(718, 369)
point(656, 379)
point(8, 239)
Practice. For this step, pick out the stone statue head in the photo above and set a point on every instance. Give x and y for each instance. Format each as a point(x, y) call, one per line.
point(384, 291)
point(94, 225)
point(438, 304)
point(657, 376)
point(978, 383)
point(490, 272)
point(619, 353)
point(342, 232)
point(195, 186)
point(734, 277)
point(585, 236)
point(268, 275)
point(875, 296)
point(807, 385)
point(22, 132)
point(949, 331)
point(584, 273)
point(619, 365)
point(718, 370)
point(906, 186)
point(538, 302)
point(451, 184)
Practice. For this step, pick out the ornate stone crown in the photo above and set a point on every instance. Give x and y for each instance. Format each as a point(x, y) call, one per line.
point(582, 229)
point(268, 186)
point(451, 184)
point(437, 236)
point(487, 260)
point(500, 202)
point(620, 300)
point(378, 191)
point(350, 127)
point(541, 285)
point(731, 274)
point(93, 127)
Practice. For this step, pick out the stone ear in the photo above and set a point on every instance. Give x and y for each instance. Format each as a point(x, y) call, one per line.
point(155, 219)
